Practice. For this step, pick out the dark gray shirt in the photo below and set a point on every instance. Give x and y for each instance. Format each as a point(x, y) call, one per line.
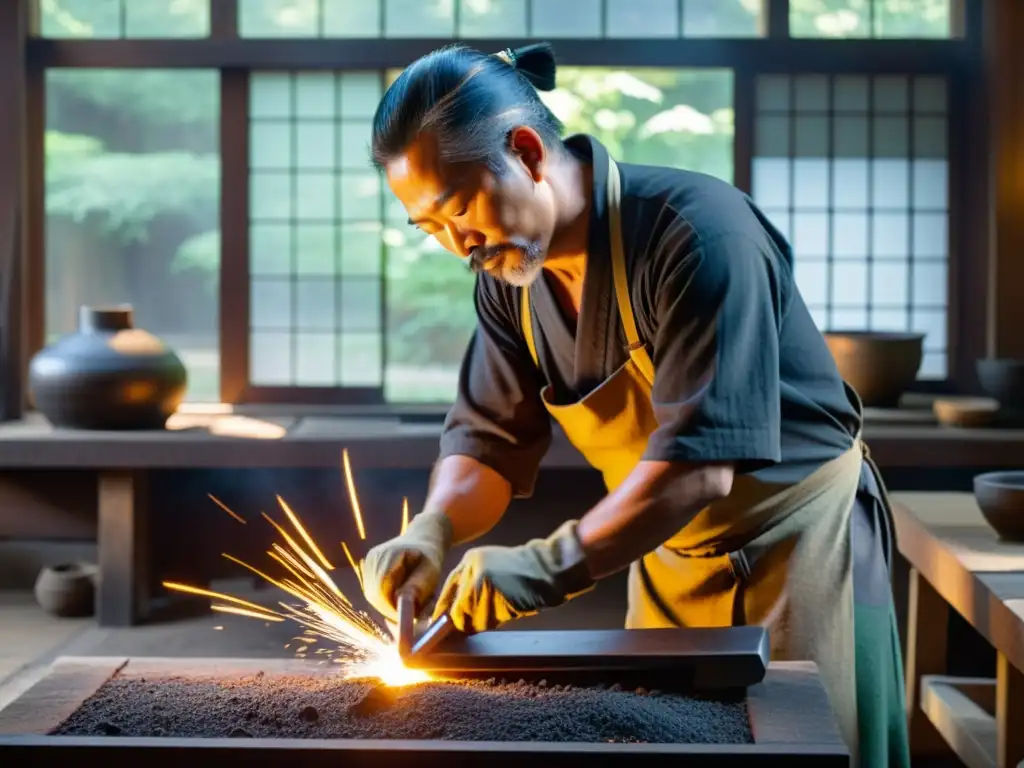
point(712, 290)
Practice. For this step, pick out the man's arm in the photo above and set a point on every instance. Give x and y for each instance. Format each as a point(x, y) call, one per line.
point(655, 502)
point(716, 397)
point(473, 496)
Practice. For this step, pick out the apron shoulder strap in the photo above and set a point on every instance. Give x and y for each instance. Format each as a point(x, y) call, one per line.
point(527, 322)
point(637, 350)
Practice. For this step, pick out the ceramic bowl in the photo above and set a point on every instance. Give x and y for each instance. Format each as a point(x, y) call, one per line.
point(880, 365)
point(1000, 495)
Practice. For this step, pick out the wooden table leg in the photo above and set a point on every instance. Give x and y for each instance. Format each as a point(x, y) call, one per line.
point(124, 549)
point(1009, 714)
point(927, 623)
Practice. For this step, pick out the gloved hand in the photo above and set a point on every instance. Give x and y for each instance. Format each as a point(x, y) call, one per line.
point(410, 561)
point(493, 585)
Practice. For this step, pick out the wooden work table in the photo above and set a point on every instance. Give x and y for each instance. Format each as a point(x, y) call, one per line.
point(279, 438)
point(958, 562)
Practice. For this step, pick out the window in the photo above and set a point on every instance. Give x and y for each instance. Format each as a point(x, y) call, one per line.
point(500, 19)
point(870, 18)
point(124, 18)
point(132, 206)
point(324, 228)
point(854, 171)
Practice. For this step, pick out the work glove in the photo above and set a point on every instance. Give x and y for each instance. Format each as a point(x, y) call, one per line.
point(410, 562)
point(493, 585)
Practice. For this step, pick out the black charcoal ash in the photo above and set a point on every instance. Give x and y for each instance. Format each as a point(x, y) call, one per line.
point(263, 706)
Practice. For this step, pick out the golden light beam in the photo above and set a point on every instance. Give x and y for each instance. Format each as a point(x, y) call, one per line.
point(302, 532)
point(352, 494)
point(405, 514)
point(227, 509)
point(310, 563)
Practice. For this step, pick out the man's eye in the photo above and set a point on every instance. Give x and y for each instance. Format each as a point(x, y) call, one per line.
point(462, 211)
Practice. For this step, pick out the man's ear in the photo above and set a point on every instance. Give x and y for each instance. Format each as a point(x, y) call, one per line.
point(528, 148)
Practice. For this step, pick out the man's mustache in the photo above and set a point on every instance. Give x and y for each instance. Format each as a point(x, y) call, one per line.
point(480, 255)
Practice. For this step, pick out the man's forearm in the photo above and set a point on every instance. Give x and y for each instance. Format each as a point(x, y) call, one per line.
point(655, 501)
point(471, 494)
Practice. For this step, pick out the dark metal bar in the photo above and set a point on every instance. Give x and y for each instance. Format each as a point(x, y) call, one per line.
point(734, 657)
point(234, 235)
point(765, 55)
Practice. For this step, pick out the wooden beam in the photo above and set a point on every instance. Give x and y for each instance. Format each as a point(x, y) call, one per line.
point(763, 54)
point(14, 20)
point(1004, 63)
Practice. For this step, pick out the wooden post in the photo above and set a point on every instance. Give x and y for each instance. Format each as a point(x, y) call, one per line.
point(927, 622)
point(1004, 65)
point(1009, 714)
point(14, 16)
point(125, 549)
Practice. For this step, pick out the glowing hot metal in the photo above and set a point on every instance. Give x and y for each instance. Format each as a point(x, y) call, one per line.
point(362, 649)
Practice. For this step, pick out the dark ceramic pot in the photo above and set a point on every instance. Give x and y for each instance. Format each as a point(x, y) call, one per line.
point(108, 375)
point(1004, 381)
point(67, 590)
point(1000, 495)
point(880, 365)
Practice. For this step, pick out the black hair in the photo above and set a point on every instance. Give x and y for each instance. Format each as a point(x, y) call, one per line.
point(471, 101)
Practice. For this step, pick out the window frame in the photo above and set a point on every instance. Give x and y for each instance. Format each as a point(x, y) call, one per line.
point(958, 59)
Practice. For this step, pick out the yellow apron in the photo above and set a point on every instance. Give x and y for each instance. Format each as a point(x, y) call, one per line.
point(774, 555)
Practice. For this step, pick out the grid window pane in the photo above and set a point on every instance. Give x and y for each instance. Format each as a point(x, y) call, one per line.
point(419, 18)
point(132, 206)
point(870, 18)
point(868, 202)
point(107, 19)
point(502, 19)
point(313, 226)
point(496, 19)
point(642, 18)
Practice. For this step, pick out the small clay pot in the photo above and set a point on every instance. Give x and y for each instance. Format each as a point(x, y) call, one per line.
point(67, 590)
point(1000, 495)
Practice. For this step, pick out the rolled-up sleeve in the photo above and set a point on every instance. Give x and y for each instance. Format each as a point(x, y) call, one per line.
point(498, 417)
point(716, 391)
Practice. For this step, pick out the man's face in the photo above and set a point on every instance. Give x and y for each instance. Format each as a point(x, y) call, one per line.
point(501, 224)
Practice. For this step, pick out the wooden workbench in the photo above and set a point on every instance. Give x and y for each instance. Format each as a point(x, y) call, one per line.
point(279, 438)
point(957, 561)
point(790, 717)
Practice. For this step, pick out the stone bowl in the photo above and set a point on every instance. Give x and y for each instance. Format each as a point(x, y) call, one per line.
point(1000, 495)
point(880, 365)
point(67, 590)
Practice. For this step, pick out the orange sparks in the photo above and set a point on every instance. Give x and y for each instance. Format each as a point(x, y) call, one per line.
point(302, 532)
point(225, 507)
point(244, 612)
point(352, 562)
point(363, 649)
point(352, 494)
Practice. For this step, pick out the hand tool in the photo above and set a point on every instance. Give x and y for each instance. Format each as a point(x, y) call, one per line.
point(406, 622)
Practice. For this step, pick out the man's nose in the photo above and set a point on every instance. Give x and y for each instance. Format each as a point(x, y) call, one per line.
point(464, 241)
